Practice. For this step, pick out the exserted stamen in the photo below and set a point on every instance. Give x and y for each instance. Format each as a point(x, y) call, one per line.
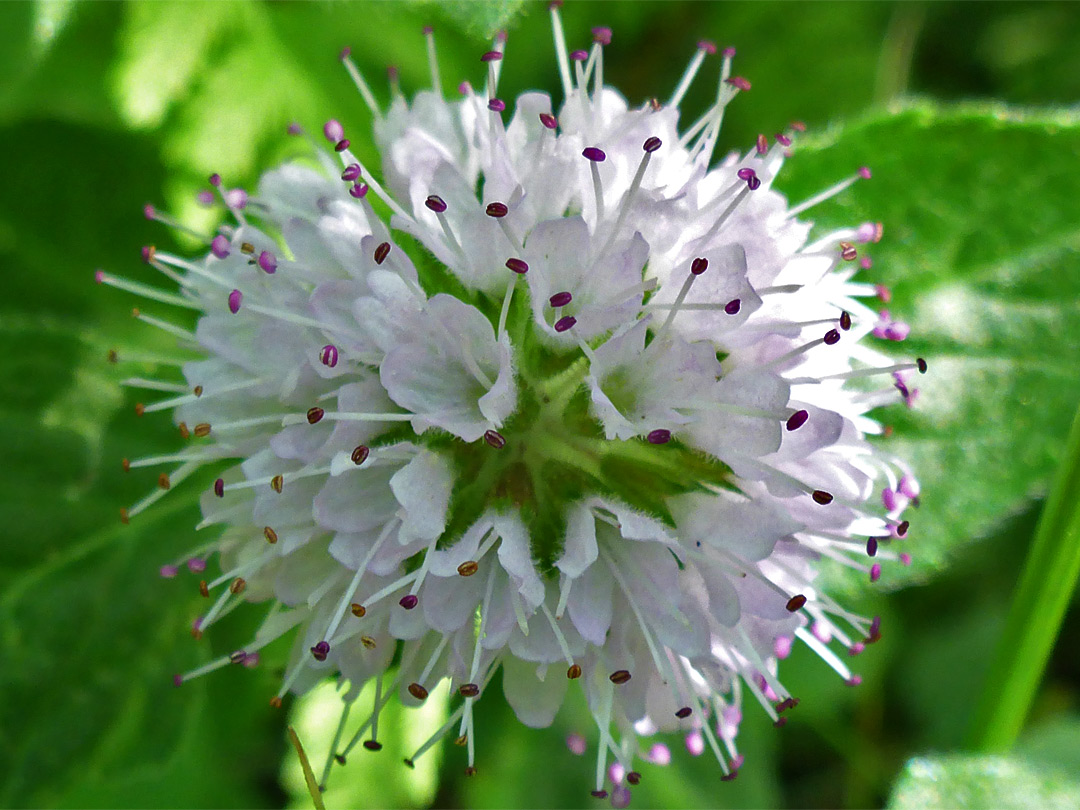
point(596, 156)
point(361, 84)
point(433, 62)
point(704, 48)
point(862, 174)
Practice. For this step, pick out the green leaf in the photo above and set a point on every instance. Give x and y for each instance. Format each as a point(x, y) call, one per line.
point(981, 252)
point(956, 781)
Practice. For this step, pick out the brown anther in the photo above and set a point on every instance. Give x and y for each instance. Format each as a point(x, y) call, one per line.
point(373, 745)
point(202, 430)
point(822, 497)
point(888, 431)
point(124, 518)
point(314, 415)
point(247, 247)
point(125, 465)
point(339, 759)
point(470, 770)
point(196, 633)
point(845, 320)
point(654, 102)
point(197, 390)
point(619, 677)
point(163, 481)
point(409, 763)
point(269, 534)
point(796, 602)
point(238, 585)
point(113, 355)
point(633, 778)
point(358, 610)
point(275, 702)
point(469, 690)
point(460, 741)
point(368, 642)
point(468, 568)
point(184, 432)
point(684, 712)
point(140, 409)
point(418, 691)
point(574, 672)
point(359, 455)
point(277, 482)
point(237, 657)
point(135, 313)
point(204, 591)
point(780, 723)
point(381, 252)
point(848, 252)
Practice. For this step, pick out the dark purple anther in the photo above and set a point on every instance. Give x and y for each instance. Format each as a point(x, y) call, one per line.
point(762, 145)
point(321, 650)
point(219, 487)
point(329, 355)
point(871, 547)
point(699, 266)
point(864, 172)
point(564, 323)
point(235, 297)
point(920, 364)
point(381, 252)
point(491, 56)
point(560, 299)
point(707, 46)
point(845, 320)
point(341, 145)
point(578, 56)
point(352, 171)
point(598, 794)
point(652, 144)
point(295, 129)
point(753, 183)
point(684, 712)
point(268, 262)
point(219, 246)
point(358, 191)
point(196, 565)
point(147, 253)
point(902, 527)
point(733, 306)
point(178, 680)
point(428, 30)
point(548, 120)
point(99, 276)
point(464, 88)
point(333, 130)
point(739, 82)
point(822, 497)
point(496, 105)
point(409, 601)
point(729, 52)
point(497, 210)
point(782, 139)
point(745, 173)
point(875, 572)
point(148, 211)
point(168, 571)
point(875, 631)
point(205, 197)
point(659, 436)
point(495, 439)
point(601, 35)
point(346, 52)
point(435, 203)
point(797, 420)
point(831, 337)
point(594, 154)
point(215, 180)
point(517, 265)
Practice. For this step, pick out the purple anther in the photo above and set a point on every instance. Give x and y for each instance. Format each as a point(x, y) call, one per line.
point(251, 660)
point(517, 265)
point(864, 172)
point(219, 246)
point(707, 46)
point(745, 173)
point(905, 559)
point(822, 497)
point(633, 777)
point(495, 439)
point(178, 680)
point(464, 88)
point(871, 546)
point(560, 299)
point(782, 646)
point(321, 650)
point(346, 52)
point(215, 180)
point(392, 73)
point(428, 30)
point(659, 754)
point(268, 262)
point(875, 630)
point(659, 436)
point(99, 276)
point(909, 486)
point(875, 572)
point(577, 744)
point(902, 528)
point(548, 120)
point(236, 199)
point(219, 487)
point(684, 712)
point(358, 191)
point(168, 571)
point(491, 56)
point(845, 320)
point(601, 35)
point(729, 52)
point(831, 337)
point(897, 330)
point(699, 266)
point(883, 293)
point(496, 210)
point(205, 197)
point(798, 126)
point(920, 364)
point(409, 601)
point(854, 680)
point(889, 499)
point(329, 355)
point(294, 129)
point(652, 144)
point(797, 420)
point(695, 743)
point(148, 211)
point(496, 104)
point(333, 130)
point(865, 232)
point(738, 82)
point(761, 145)
point(564, 323)
point(733, 306)
point(782, 139)
point(435, 203)
point(352, 171)
point(147, 253)
point(754, 183)
point(620, 797)
point(866, 262)
point(616, 773)
point(196, 565)
point(594, 154)
point(341, 145)
point(235, 297)
point(578, 56)
point(598, 794)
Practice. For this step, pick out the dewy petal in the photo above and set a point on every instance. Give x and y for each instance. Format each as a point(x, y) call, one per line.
point(423, 487)
point(535, 701)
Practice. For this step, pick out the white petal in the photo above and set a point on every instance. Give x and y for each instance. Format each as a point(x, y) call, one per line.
point(516, 556)
point(534, 701)
point(579, 550)
point(423, 489)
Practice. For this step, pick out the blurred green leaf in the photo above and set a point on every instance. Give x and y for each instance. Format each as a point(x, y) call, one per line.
point(481, 17)
point(948, 782)
point(981, 252)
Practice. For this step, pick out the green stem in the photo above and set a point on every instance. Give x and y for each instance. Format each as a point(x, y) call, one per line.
point(1046, 587)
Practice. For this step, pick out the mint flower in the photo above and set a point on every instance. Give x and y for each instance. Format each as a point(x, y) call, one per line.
point(554, 392)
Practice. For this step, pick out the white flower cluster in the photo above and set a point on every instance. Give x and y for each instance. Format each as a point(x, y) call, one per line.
point(559, 397)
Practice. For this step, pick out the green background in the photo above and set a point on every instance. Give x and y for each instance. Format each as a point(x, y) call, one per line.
point(965, 111)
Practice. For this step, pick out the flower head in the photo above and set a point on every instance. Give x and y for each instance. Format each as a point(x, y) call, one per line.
point(551, 393)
